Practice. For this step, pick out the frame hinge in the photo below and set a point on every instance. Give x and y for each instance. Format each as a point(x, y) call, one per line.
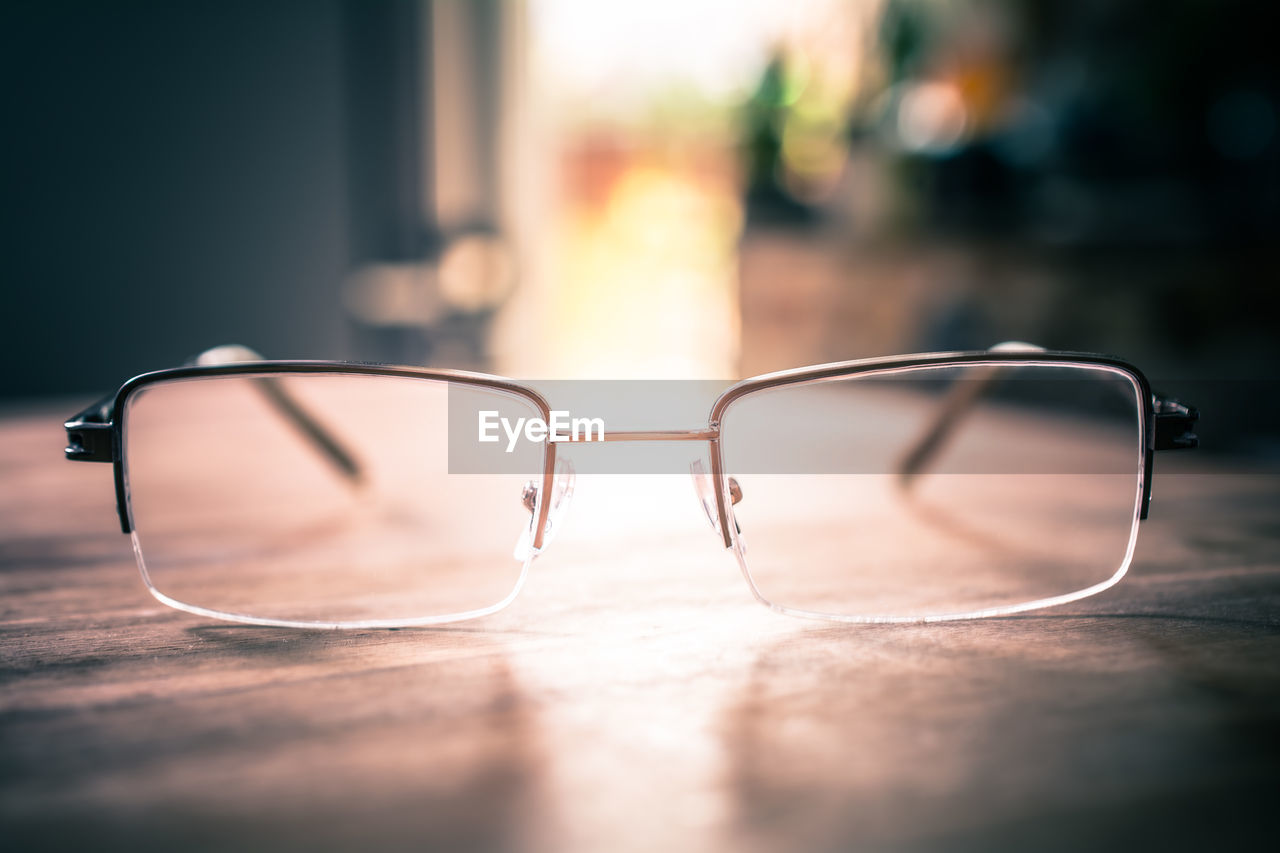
point(90, 442)
point(1174, 424)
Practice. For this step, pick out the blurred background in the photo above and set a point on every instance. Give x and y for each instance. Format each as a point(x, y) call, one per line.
point(691, 189)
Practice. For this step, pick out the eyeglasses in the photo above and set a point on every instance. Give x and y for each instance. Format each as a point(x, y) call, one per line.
point(915, 488)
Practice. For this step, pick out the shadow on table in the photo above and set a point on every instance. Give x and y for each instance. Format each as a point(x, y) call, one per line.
point(1100, 731)
point(282, 739)
point(283, 644)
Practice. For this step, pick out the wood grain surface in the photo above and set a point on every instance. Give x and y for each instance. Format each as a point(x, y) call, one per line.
point(636, 697)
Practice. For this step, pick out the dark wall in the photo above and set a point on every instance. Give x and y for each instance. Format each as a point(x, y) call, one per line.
point(174, 177)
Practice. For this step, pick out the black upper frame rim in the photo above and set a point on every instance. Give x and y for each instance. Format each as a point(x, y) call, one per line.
point(861, 367)
point(138, 383)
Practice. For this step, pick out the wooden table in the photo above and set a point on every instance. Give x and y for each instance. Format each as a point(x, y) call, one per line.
point(635, 697)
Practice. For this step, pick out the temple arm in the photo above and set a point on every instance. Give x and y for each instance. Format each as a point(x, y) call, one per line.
point(959, 401)
point(89, 432)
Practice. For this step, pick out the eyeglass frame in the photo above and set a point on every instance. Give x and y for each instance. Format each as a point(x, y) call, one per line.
point(96, 434)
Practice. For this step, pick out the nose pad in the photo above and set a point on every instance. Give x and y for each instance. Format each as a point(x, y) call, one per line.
point(706, 492)
point(703, 485)
point(561, 496)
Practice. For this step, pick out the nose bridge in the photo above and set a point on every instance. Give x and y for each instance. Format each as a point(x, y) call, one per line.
point(709, 434)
